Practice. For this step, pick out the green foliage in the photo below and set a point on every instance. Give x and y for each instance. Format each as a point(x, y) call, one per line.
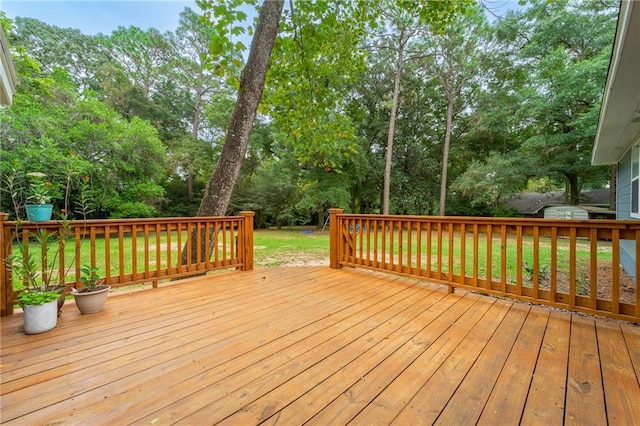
point(486, 183)
point(130, 209)
point(437, 14)
point(226, 19)
point(36, 298)
point(564, 49)
point(309, 80)
point(51, 127)
point(89, 276)
point(144, 113)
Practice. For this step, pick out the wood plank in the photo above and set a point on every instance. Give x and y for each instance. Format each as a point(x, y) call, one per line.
point(357, 355)
point(545, 403)
point(506, 403)
point(632, 340)
point(149, 332)
point(458, 391)
point(189, 343)
point(585, 397)
point(352, 400)
point(235, 391)
point(623, 408)
point(318, 345)
point(478, 384)
point(194, 359)
point(407, 344)
point(436, 371)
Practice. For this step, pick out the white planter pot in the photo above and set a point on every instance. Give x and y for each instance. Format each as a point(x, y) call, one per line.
point(90, 303)
point(40, 318)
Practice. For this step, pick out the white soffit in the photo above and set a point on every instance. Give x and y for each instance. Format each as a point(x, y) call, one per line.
point(619, 123)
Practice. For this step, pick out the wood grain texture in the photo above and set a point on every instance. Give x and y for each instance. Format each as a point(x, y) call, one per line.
point(319, 346)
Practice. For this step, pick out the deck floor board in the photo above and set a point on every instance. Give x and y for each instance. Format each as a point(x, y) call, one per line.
point(319, 346)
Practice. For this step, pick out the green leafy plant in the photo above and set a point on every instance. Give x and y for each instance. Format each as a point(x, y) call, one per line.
point(36, 291)
point(37, 297)
point(39, 189)
point(90, 277)
point(39, 277)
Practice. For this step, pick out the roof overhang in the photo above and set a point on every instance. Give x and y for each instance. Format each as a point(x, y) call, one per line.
point(619, 123)
point(8, 79)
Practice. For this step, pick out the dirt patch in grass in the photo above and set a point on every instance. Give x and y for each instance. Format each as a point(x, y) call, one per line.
point(604, 279)
point(627, 286)
point(294, 259)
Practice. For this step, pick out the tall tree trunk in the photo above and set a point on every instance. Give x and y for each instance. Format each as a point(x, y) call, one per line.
point(392, 123)
point(195, 128)
point(445, 153)
point(613, 188)
point(223, 178)
point(573, 188)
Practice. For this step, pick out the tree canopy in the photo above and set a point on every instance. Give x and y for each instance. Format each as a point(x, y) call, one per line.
point(436, 108)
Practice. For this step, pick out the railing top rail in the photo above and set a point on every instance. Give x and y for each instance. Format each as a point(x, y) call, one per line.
point(55, 223)
point(604, 223)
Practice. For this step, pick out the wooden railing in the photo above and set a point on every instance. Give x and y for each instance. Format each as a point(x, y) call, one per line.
point(568, 264)
point(128, 251)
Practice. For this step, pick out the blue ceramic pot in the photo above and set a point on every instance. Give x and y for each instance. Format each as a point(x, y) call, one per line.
point(39, 212)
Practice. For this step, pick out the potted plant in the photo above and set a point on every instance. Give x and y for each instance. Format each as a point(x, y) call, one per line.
point(38, 301)
point(36, 261)
point(38, 205)
point(92, 296)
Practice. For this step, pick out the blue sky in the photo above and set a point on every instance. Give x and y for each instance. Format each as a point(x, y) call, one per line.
point(99, 16)
point(104, 16)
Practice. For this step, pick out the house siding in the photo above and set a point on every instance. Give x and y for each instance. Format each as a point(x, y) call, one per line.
point(623, 211)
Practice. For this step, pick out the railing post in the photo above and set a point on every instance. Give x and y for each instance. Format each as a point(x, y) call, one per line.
point(334, 238)
point(248, 240)
point(6, 281)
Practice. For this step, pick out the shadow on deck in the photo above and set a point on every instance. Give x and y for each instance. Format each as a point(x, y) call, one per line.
point(324, 346)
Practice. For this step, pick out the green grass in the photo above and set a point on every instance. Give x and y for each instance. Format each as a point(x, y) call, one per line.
point(290, 246)
point(583, 253)
point(293, 247)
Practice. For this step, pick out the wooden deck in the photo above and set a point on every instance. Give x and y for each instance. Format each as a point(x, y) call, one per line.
point(323, 346)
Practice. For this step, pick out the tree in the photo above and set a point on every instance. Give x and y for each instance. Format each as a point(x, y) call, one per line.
point(81, 55)
point(564, 48)
point(405, 26)
point(220, 186)
point(454, 57)
point(51, 125)
point(192, 67)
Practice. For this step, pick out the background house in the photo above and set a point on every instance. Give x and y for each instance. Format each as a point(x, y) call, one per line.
point(8, 77)
point(533, 204)
point(618, 136)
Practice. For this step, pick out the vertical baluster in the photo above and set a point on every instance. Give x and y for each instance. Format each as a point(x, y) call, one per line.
point(489, 256)
point(519, 260)
point(593, 269)
point(573, 278)
point(107, 253)
point(463, 253)
point(476, 248)
point(554, 263)
point(503, 258)
point(615, 271)
point(536, 262)
point(450, 253)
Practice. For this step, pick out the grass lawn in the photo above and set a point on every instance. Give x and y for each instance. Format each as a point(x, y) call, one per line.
point(306, 246)
point(291, 247)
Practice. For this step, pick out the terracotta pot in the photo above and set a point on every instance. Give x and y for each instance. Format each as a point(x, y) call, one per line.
point(90, 302)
